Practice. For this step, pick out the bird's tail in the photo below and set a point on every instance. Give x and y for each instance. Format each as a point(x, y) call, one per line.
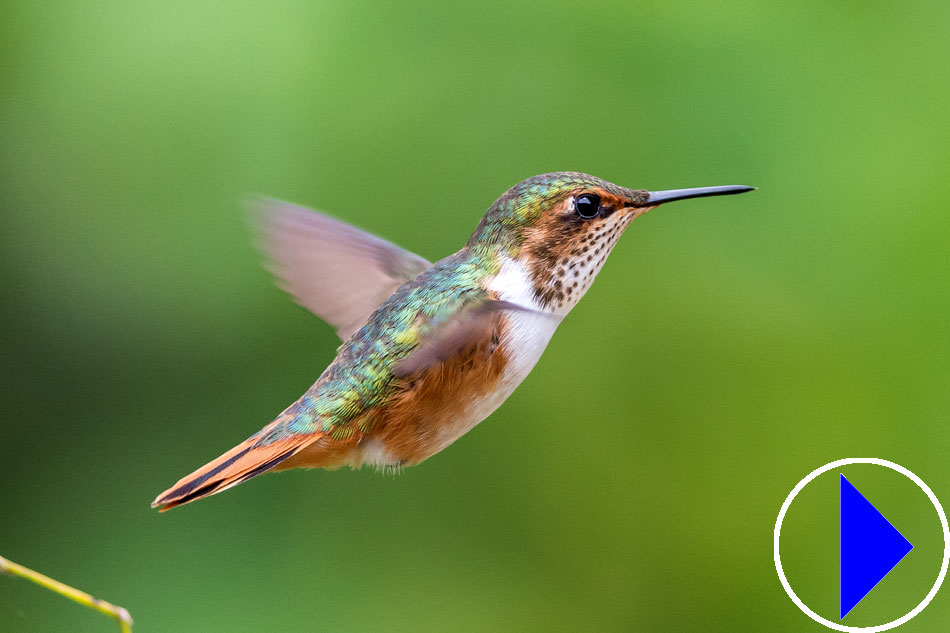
point(258, 454)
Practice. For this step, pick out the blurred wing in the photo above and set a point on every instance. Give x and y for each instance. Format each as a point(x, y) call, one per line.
point(471, 325)
point(335, 270)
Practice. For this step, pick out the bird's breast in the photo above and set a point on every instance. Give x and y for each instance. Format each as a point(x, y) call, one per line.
point(445, 401)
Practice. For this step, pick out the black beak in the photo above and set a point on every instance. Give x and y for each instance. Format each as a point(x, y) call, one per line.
point(671, 195)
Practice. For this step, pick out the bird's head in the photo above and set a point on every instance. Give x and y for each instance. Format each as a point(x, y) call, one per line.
point(561, 227)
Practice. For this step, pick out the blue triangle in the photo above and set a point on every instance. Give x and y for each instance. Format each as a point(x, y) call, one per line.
point(870, 547)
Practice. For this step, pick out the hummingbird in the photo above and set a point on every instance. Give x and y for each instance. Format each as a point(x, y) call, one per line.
point(429, 350)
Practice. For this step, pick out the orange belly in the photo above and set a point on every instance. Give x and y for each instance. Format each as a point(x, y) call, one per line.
point(429, 410)
point(439, 404)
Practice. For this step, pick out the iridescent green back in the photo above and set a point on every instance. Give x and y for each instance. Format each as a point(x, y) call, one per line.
point(361, 376)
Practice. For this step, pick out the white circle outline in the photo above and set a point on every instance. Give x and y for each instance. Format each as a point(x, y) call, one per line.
point(920, 484)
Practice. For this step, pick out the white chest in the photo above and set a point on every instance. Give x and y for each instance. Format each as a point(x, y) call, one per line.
point(526, 336)
point(529, 330)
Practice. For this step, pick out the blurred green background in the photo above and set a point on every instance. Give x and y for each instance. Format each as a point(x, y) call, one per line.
point(729, 347)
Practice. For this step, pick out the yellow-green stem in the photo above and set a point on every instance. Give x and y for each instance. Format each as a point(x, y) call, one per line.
point(120, 614)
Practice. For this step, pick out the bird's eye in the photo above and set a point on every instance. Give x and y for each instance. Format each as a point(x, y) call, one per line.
point(587, 206)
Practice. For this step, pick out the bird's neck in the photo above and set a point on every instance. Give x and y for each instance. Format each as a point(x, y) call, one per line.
point(518, 275)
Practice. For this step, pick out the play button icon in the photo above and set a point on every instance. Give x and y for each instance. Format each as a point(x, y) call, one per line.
point(870, 547)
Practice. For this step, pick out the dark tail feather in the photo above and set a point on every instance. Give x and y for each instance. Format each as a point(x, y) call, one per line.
point(239, 464)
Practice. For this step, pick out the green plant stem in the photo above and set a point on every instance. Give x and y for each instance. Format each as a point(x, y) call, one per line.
point(83, 598)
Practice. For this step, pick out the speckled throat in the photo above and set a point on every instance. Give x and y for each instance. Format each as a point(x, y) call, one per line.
point(563, 254)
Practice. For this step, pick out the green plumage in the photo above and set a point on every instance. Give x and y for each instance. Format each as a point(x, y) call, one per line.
point(361, 376)
point(547, 236)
